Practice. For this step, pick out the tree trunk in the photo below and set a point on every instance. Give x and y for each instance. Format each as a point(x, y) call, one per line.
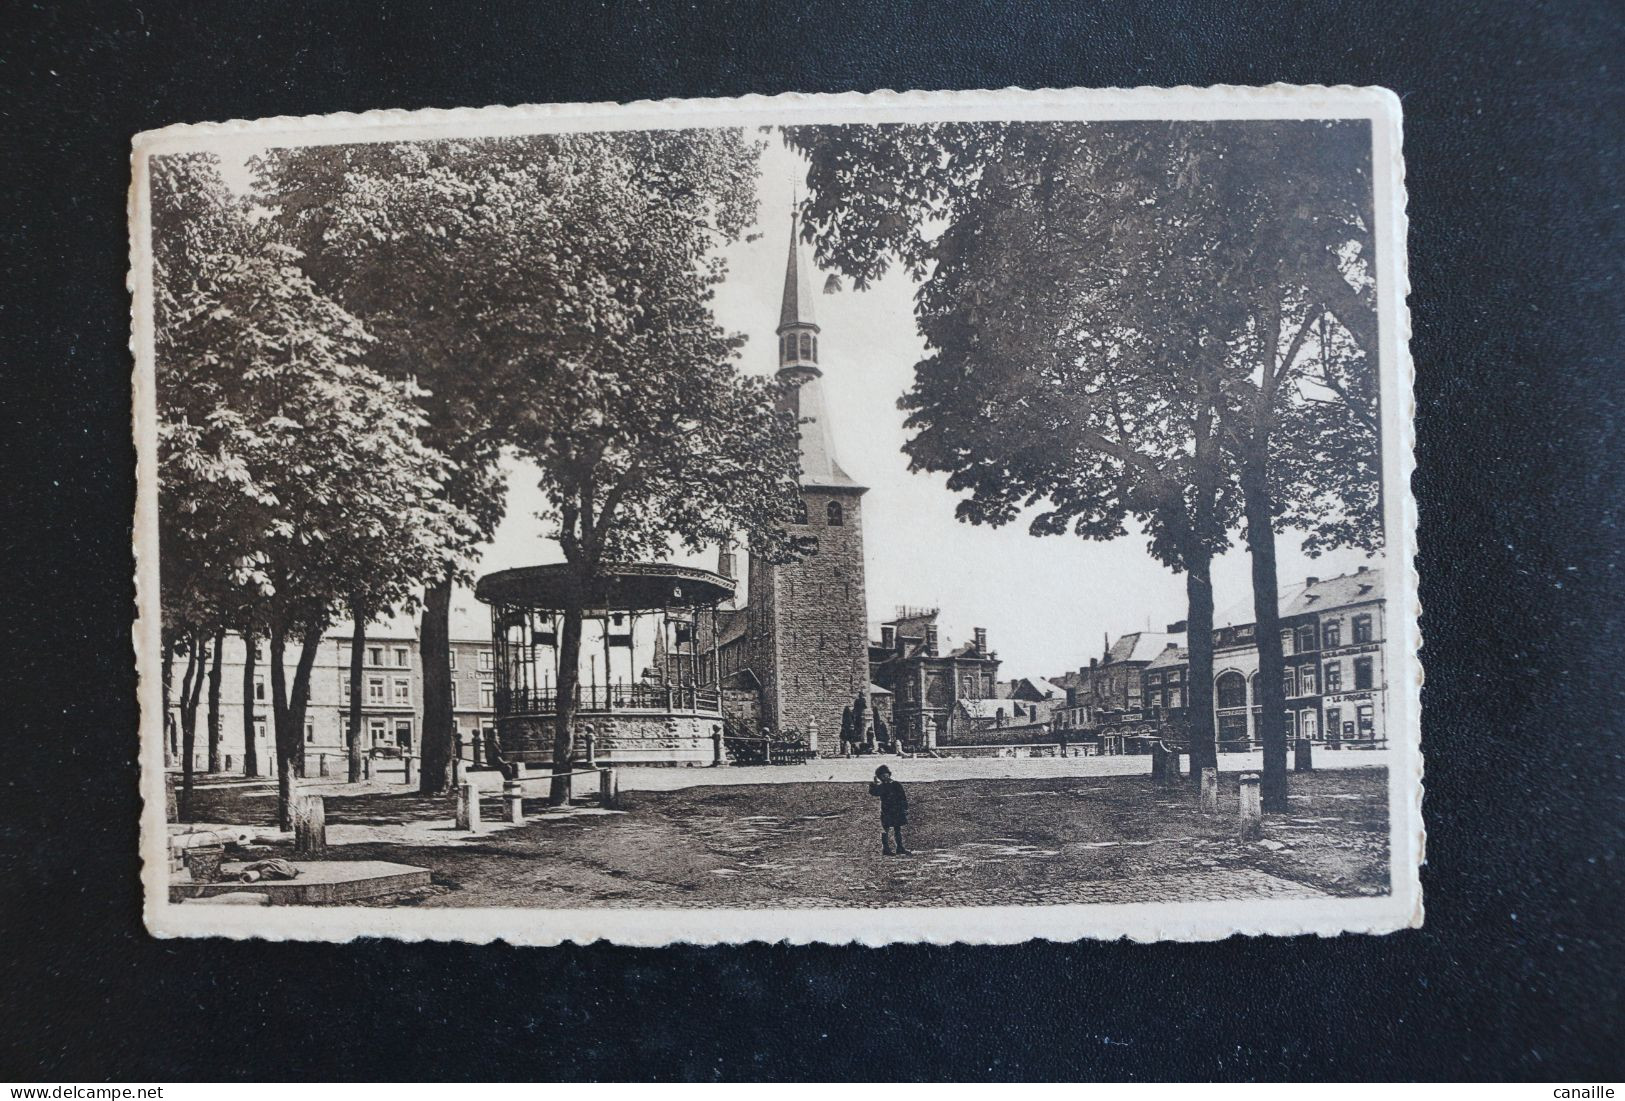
point(191, 689)
point(1199, 641)
point(565, 707)
point(439, 725)
point(251, 750)
point(215, 718)
point(1258, 506)
point(289, 704)
point(171, 749)
point(358, 648)
point(279, 726)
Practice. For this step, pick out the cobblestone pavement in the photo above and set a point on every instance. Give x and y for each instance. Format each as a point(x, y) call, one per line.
point(1002, 841)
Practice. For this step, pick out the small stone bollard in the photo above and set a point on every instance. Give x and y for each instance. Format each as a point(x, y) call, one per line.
point(1210, 791)
point(309, 825)
point(609, 789)
point(587, 746)
point(321, 764)
point(513, 794)
point(366, 768)
point(408, 780)
point(1250, 820)
point(719, 758)
point(1303, 759)
point(468, 806)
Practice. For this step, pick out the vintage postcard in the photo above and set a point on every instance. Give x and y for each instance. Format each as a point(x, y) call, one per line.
point(963, 516)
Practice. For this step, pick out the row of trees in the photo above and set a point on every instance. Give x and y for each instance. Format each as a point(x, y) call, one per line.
point(1169, 323)
point(347, 352)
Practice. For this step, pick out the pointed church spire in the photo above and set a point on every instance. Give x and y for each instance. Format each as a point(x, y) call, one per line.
point(798, 299)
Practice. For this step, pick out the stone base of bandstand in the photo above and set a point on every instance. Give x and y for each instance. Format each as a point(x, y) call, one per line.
point(669, 739)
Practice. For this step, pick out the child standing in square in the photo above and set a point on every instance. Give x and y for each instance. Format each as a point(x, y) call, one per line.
point(893, 810)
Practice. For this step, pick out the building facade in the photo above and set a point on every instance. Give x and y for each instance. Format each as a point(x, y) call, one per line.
point(927, 685)
point(391, 694)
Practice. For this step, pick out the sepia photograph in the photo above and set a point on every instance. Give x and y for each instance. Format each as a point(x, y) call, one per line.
point(851, 518)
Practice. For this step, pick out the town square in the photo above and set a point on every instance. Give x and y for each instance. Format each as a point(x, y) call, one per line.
point(682, 519)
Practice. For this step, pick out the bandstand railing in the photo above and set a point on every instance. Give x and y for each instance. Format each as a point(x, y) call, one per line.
point(611, 697)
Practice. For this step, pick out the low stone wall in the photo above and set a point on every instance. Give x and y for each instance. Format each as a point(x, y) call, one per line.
point(623, 737)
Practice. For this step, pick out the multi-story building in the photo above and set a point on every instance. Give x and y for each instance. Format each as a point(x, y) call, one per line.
point(925, 684)
point(1349, 613)
point(1110, 691)
point(391, 692)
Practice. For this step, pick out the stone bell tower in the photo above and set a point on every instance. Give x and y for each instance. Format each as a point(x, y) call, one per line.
point(808, 630)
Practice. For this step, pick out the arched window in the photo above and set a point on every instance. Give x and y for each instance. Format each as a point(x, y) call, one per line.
point(806, 346)
point(1230, 690)
point(833, 514)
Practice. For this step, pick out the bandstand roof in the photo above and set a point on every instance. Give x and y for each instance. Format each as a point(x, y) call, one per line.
point(622, 586)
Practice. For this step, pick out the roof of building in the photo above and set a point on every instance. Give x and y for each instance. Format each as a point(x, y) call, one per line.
point(1170, 656)
point(1141, 645)
point(1359, 587)
point(731, 624)
point(1301, 598)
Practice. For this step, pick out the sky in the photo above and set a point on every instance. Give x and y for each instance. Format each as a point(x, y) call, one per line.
point(1046, 602)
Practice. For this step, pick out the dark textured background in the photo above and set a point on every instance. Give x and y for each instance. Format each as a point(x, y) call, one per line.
point(1512, 141)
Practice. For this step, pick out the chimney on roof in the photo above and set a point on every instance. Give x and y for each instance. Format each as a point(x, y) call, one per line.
point(1178, 627)
point(931, 640)
point(888, 636)
point(1362, 569)
point(1094, 663)
point(1311, 581)
point(981, 640)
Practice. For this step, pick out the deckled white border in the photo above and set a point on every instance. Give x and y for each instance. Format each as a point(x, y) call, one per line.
point(979, 925)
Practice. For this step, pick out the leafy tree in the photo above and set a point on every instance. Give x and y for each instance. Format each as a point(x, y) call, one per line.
point(1116, 317)
point(280, 454)
point(541, 288)
point(638, 418)
point(455, 255)
point(1054, 378)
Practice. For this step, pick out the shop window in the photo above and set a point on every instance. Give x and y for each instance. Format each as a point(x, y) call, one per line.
point(1364, 717)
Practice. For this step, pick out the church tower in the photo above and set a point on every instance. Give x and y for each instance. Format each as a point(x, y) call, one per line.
point(808, 628)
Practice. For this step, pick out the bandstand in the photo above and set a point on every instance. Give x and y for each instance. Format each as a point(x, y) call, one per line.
point(646, 691)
